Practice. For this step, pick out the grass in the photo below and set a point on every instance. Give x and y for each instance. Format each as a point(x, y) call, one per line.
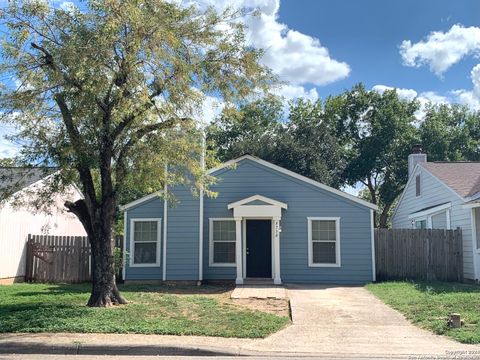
point(428, 304)
point(152, 310)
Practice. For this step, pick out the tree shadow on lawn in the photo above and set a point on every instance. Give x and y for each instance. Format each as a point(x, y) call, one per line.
point(55, 289)
point(173, 289)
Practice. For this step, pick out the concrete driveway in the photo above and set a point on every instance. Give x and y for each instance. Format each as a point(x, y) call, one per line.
point(349, 321)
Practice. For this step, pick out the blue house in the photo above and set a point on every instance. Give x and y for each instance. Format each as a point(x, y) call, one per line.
point(266, 222)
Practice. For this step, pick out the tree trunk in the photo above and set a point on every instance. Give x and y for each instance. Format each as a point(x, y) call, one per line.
point(384, 217)
point(104, 287)
point(99, 227)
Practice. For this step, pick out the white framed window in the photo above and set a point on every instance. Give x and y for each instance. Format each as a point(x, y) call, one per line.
point(222, 238)
point(323, 241)
point(145, 242)
point(420, 223)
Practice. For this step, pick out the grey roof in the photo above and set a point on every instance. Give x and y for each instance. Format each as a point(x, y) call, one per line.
point(461, 177)
point(13, 179)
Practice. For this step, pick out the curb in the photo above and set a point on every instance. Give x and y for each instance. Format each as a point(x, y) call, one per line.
point(85, 349)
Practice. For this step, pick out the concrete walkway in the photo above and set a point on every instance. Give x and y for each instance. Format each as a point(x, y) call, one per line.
point(350, 321)
point(330, 322)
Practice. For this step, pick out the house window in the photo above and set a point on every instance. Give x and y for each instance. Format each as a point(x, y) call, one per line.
point(417, 186)
point(145, 242)
point(222, 242)
point(324, 242)
point(439, 220)
point(421, 224)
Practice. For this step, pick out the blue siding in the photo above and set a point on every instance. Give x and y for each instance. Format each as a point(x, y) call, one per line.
point(149, 209)
point(304, 200)
point(182, 235)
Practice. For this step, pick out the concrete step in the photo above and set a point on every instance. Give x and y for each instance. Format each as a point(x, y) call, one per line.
point(258, 281)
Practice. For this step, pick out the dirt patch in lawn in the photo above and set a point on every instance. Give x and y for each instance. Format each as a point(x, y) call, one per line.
point(279, 307)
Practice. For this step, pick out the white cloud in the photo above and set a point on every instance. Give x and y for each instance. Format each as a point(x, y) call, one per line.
point(408, 94)
point(440, 50)
point(471, 98)
point(296, 57)
point(295, 91)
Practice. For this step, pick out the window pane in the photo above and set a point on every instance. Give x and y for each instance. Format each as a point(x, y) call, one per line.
point(323, 230)
point(224, 252)
point(145, 231)
point(224, 230)
point(324, 253)
point(145, 253)
point(439, 221)
point(422, 224)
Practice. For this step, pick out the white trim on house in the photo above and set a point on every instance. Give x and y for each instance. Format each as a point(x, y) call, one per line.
point(124, 250)
point(272, 244)
point(337, 242)
point(474, 224)
point(165, 232)
point(296, 176)
point(141, 200)
point(471, 205)
point(431, 211)
point(265, 199)
point(211, 263)
point(372, 241)
point(132, 241)
point(200, 237)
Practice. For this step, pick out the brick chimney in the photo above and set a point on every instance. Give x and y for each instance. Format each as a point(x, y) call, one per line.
point(417, 156)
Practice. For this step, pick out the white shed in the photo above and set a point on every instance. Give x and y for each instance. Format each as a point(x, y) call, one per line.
point(16, 222)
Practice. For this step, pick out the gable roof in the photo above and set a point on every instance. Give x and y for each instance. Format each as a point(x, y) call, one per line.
point(14, 179)
point(148, 197)
point(296, 176)
point(461, 177)
point(258, 198)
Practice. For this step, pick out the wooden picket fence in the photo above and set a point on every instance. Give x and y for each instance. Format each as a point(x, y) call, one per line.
point(423, 254)
point(59, 259)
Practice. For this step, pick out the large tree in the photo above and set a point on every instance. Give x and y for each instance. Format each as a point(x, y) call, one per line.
point(379, 132)
point(450, 133)
point(299, 136)
point(107, 93)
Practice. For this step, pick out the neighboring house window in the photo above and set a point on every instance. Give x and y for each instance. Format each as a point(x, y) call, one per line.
point(421, 224)
point(222, 242)
point(439, 220)
point(323, 241)
point(145, 242)
point(417, 186)
point(434, 220)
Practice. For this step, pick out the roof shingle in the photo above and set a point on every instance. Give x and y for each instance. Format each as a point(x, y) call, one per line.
point(462, 177)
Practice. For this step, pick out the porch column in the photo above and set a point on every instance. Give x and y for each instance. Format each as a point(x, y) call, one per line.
point(238, 250)
point(276, 248)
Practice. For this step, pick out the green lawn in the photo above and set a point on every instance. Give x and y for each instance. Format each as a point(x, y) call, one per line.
point(428, 304)
point(152, 310)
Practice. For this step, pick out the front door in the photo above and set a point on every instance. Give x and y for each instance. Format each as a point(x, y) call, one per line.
point(259, 248)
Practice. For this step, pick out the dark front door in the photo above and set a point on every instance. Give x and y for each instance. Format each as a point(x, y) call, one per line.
point(259, 248)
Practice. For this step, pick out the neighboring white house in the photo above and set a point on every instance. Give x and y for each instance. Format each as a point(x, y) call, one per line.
point(443, 195)
point(16, 222)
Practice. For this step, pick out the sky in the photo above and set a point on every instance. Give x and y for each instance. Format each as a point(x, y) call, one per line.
point(427, 49)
